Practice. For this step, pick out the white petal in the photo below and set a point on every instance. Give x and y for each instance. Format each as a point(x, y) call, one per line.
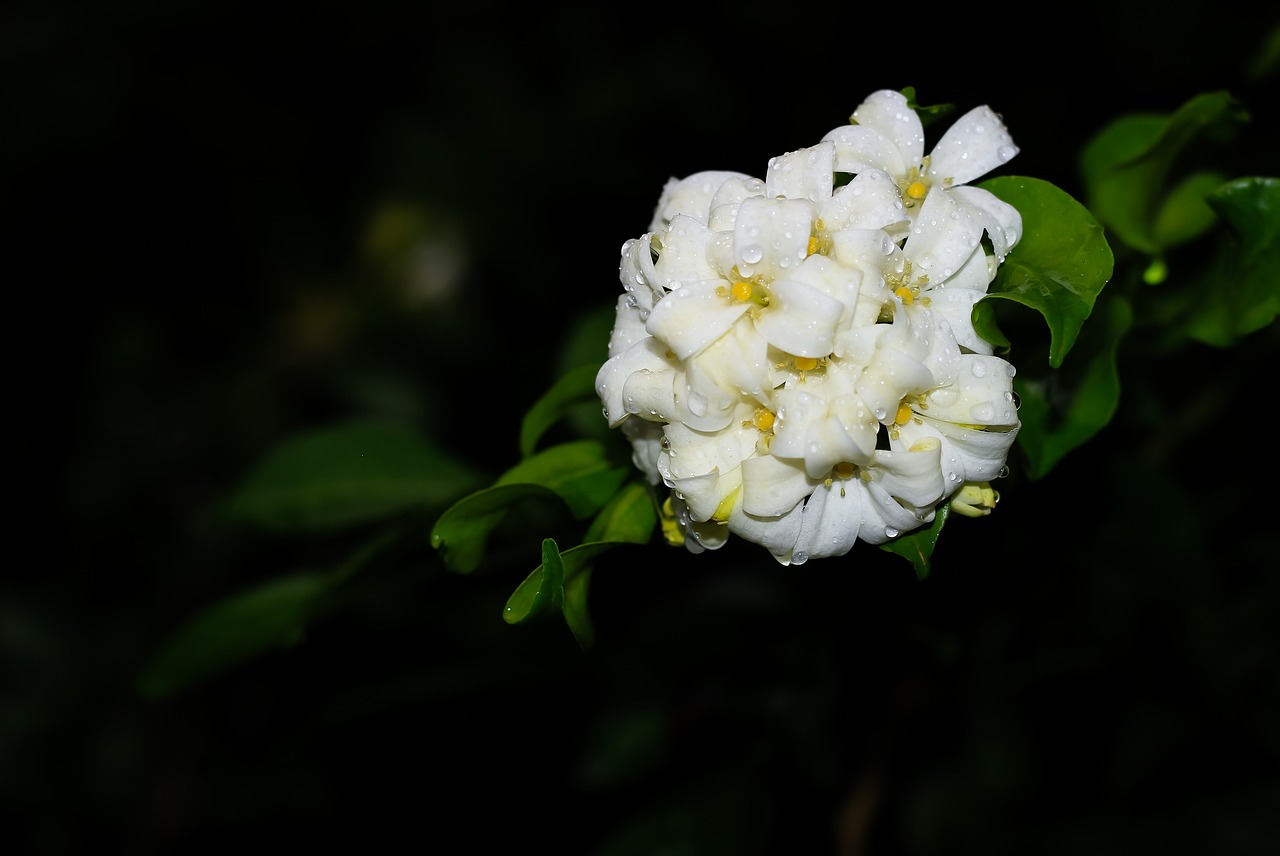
point(982, 394)
point(860, 148)
point(888, 112)
point(683, 257)
point(946, 233)
point(831, 520)
point(636, 271)
point(646, 446)
point(799, 319)
point(804, 173)
point(772, 235)
point(771, 486)
point(690, 195)
point(628, 325)
point(776, 534)
point(973, 146)
point(724, 205)
point(913, 476)
point(650, 395)
point(700, 402)
point(693, 317)
point(646, 355)
point(1001, 220)
point(967, 454)
point(884, 519)
point(870, 201)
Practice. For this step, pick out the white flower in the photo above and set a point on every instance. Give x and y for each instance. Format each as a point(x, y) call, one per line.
point(794, 358)
point(886, 134)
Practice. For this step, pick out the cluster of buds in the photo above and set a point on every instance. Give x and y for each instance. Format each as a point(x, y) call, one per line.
point(794, 359)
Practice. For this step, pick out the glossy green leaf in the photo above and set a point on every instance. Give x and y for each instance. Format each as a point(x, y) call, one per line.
point(541, 590)
point(574, 388)
point(461, 533)
point(346, 475)
point(1061, 411)
point(582, 472)
point(233, 630)
point(1241, 292)
point(1058, 267)
point(917, 546)
point(1126, 166)
point(629, 517)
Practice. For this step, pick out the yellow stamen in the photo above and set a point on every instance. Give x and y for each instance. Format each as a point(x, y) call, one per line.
point(917, 190)
point(844, 469)
point(741, 291)
point(905, 294)
point(813, 245)
point(806, 364)
point(904, 414)
point(763, 419)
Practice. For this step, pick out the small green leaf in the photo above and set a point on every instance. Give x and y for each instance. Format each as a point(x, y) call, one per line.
point(1062, 411)
point(582, 472)
point(346, 475)
point(541, 590)
point(461, 534)
point(1185, 213)
point(629, 517)
point(1058, 267)
point(574, 388)
point(231, 631)
point(1241, 292)
point(917, 546)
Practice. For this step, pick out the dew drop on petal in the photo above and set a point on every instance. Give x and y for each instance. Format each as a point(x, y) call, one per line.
point(799, 557)
point(890, 532)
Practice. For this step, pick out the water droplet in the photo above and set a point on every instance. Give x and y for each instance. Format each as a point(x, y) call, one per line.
point(890, 532)
point(799, 557)
point(1004, 472)
point(979, 369)
point(752, 253)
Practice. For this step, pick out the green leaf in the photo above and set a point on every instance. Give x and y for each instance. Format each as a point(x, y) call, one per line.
point(917, 545)
point(1062, 411)
point(233, 630)
point(461, 533)
point(1241, 293)
point(541, 590)
point(1058, 267)
point(582, 472)
point(629, 518)
point(575, 387)
point(346, 475)
point(1125, 167)
point(1186, 213)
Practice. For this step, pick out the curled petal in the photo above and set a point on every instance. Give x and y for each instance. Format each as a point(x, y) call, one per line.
point(646, 355)
point(1001, 220)
point(683, 257)
point(690, 195)
point(981, 396)
point(772, 486)
point(912, 476)
point(860, 147)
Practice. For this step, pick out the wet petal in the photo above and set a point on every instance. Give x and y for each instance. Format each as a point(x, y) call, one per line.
point(973, 146)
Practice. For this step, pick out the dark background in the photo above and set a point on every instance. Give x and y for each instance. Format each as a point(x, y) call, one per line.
point(194, 191)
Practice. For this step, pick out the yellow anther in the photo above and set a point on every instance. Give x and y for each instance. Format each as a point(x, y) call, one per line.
point(917, 190)
point(763, 419)
point(806, 364)
point(670, 527)
point(905, 294)
point(904, 414)
point(741, 291)
point(813, 245)
point(844, 469)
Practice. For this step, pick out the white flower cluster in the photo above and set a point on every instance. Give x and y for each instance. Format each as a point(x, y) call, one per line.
point(794, 357)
